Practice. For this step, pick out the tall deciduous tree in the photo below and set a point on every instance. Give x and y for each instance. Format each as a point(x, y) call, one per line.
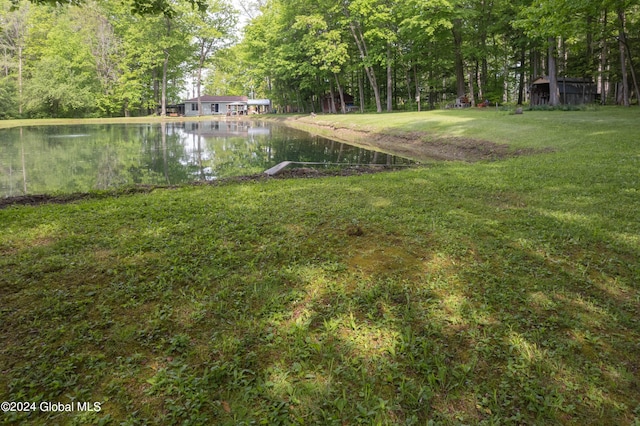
point(325, 49)
point(154, 49)
point(63, 80)
point(13, 38)
point(371, 25)
point(141, 7)
point(423, 25)
point(213, 30)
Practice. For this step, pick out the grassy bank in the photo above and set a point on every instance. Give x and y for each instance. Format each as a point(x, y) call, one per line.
point(497, 292)
point(7, 124)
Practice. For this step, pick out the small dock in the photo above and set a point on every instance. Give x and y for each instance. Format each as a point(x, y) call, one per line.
point(277, 168)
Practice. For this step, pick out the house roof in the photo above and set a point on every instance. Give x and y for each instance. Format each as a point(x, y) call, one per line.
point(259, 102)
point(208, 98)
point(347, 97)
point(566, 80)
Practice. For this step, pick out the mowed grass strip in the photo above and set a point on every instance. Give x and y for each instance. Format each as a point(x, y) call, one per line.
point(504, 292)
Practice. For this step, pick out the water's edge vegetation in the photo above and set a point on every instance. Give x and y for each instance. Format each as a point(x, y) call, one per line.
point(500, 291)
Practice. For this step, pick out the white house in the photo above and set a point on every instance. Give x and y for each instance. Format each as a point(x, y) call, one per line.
point(226, 105)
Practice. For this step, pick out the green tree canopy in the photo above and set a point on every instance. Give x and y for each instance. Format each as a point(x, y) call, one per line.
point(142, 7)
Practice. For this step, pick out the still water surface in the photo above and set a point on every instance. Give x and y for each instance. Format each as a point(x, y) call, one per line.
point(79, 158)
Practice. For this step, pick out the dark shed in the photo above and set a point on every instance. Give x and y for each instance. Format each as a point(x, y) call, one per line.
point(326, 102)
point(572, 91)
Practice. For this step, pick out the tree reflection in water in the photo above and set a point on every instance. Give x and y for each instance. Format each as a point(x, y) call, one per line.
point(80, 158)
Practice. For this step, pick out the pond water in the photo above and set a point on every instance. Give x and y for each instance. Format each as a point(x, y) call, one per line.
point(79, 158)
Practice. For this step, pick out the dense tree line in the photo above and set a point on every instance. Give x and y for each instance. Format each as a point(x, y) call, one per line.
point(132, 57)
point(100, 58)
point(412, 54)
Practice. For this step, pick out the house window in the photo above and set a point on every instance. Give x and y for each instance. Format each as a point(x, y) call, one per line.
point(215, 108)
point(194, 107)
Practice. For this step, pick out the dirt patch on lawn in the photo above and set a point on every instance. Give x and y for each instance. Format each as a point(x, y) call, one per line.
point(418, 146)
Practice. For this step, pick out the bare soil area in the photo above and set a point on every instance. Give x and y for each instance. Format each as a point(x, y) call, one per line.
point(418, 146)
point(452, 149)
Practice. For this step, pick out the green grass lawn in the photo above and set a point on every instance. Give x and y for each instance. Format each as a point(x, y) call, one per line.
point(504, 292)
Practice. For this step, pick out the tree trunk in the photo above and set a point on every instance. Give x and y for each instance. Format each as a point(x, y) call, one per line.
point(20, 80)
point(562, 48)
point(590, 51)
point(633, 75)
point(459, 63)
point(505, 83)
point(626, 53)
point(483, 73)
point(472, 95)
point(389, 80)
point(623, 58)
point(407, 80)
point(374, 85)
point(418, 94)
point(165, 68)
point(523, 57)
point(317, 97)
point(553, 77)
point(163, 101)
point(299, 101)
point(5, 61)
point(482, 78)
point(343, 106)
point(199, 79)
point(479, 79)
point(362, 48)
point(198, 94)
point(332, 99)
point(361, 91)
point(603, 81)
point(156, 94)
